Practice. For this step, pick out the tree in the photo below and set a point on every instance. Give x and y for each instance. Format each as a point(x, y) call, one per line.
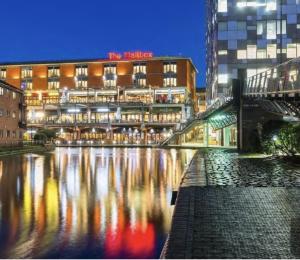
point(285, 140)
point(45, 135)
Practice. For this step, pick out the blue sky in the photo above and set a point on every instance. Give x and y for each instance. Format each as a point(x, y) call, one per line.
point(67, 29)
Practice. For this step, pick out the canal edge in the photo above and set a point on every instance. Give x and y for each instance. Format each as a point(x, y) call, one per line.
point(191, 208)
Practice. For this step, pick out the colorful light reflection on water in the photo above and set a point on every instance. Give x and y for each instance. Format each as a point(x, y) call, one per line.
point(88, 203)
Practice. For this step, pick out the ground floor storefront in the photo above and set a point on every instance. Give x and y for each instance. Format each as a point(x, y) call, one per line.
point(205, 135)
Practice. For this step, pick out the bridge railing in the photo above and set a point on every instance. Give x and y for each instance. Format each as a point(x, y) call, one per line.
point(282, 79)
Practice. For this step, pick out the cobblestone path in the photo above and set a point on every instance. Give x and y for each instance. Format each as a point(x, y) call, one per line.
point(233, 207)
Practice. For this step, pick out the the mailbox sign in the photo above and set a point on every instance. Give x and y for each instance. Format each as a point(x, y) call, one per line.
point(130, 55)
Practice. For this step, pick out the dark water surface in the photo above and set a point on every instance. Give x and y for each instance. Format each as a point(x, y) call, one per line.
point(88, 202)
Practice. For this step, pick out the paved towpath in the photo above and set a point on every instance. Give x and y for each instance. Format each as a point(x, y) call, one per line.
point(229, 206)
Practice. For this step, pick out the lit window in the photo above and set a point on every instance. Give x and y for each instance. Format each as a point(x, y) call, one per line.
point(170, 67)
point(26, 72)
point(110, 75)
point(81, 70)
point(170, 82)
point(26, 84)
point(139, 74)
point(53, 71)
point(139, 68)
point(271, 51)
point(261, 27)
point(140, 82)
point(82, 83)
point(222, 52)
point(242, 54)
point(283, 27)
point(222, 6)
point(262, 54)
point(14, 95)
point(53, 84)
point(251, 51)
point(110, 69)
point(271, 30)
point(1, 91)
point(2, 73)
point(291, 50)
point(223, 78)
point(271, 5)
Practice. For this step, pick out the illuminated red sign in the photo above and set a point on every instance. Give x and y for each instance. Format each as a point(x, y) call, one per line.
point(130, 55)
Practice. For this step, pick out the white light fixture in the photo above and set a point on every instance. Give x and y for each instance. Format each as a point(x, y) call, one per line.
point(73, 110)
point(103, 110)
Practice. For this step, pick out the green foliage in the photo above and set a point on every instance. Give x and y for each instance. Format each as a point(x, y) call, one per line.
point(40, 137)
point(45, 135)
point(283, 140)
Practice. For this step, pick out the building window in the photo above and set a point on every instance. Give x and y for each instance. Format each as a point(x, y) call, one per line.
point(281, 30)
point(222, 52)
point(223, 78)
point(261, 28)
point(271, 51)
point(13, 114)
point(80, 83)
point(53, 71)
point(170, 82)
point(1, 112)
point(291, 50)
point(1, 91)
point(3, 74)
point(251, 51)
point(241, 54)
point(139, 68)
point(26, 72)
point(81, 72)
point(110, 75)
point(222, 6)
point(110, 69)
point(170, 67)
point(14, 95)
point(53, 84)
point(139, 74)
point(26, 84)
point(271, 5)
point(261, 54)
point(271, 30)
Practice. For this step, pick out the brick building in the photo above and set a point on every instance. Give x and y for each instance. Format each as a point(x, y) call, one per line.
point(12, 115)
point(106, 98)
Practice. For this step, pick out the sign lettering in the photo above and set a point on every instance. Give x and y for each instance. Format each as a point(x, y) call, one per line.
point(130, 55)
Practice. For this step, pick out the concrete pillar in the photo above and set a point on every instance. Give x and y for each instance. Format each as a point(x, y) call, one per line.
point(183, 114)
point(89, 115)
point(206, 134)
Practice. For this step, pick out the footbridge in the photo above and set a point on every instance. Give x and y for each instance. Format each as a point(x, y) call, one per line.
point(237, 119)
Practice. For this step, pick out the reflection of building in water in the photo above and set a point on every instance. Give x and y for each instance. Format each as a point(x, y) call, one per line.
point(112, 195)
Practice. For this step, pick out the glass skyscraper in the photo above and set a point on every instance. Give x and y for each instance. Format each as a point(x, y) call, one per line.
point(249, 34)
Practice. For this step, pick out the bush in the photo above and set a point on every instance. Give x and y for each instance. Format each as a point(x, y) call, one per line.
point(40, 137)
point(283, 140)
point(45, 135)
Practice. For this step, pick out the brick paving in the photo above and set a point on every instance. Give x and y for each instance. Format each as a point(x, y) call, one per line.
point(232, 207)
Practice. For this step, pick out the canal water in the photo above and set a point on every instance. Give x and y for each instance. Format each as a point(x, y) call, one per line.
point(88, 202)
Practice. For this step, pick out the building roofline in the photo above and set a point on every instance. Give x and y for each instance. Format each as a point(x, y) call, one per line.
point(11, 87)
point(93, 60)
